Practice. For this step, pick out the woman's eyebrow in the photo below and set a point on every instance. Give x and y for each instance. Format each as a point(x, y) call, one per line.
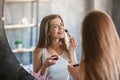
point(55, 24)
point(58, 24)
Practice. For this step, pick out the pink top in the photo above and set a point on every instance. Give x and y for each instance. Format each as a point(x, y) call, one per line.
point(40, 77)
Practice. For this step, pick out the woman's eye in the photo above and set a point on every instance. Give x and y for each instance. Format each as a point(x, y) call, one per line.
point(56, 26)
point(61, 24)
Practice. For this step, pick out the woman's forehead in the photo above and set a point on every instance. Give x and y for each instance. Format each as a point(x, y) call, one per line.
point(55, 21)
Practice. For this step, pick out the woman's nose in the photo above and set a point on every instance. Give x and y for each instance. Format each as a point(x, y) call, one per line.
point(61, 29)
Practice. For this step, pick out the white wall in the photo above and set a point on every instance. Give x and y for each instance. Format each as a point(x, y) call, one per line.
point(72, 12)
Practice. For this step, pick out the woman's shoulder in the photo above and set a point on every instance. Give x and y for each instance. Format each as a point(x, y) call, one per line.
point(37, 50)
point(37, 54)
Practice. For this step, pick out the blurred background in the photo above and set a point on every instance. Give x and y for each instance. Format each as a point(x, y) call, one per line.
point(22, 19)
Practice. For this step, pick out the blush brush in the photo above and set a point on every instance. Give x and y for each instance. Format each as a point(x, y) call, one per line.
point(68, 33)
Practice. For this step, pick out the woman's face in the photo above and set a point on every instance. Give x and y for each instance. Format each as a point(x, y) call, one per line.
point(56, 28)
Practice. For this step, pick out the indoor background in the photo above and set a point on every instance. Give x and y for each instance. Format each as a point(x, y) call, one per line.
point(72, 12)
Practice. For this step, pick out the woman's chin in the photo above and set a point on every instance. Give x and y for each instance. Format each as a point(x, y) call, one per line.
point(62, 36)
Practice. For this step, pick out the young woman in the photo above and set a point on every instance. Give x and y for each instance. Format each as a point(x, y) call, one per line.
point(52, 45)
point(100, 49)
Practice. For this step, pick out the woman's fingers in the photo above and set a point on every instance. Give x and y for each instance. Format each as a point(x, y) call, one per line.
point(73, 70)
point(49, 61)
point(73, 42)
point(54, 57)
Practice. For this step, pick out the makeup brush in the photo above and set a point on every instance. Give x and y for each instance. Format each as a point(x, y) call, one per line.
point(68, 33)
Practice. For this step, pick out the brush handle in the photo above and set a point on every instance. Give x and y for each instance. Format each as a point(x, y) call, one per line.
point(69, 34)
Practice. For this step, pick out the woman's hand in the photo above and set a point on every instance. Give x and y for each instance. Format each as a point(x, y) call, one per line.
point(50, 61)
point(72, 47)
point(72, 44)
point(74, 71)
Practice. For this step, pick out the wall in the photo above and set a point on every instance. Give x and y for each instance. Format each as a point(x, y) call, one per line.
point(14, 12)
point(72, 12)
point(105, 5)
point(116, 14)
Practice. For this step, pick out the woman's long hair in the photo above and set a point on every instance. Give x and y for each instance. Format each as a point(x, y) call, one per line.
point(100, 43)
point(45, 40)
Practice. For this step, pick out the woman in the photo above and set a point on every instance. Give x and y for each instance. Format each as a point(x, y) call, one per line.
point(100, 49)
point(52, 46)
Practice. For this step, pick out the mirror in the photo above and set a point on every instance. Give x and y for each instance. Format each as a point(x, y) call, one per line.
point(10, 68)
point(31, 13)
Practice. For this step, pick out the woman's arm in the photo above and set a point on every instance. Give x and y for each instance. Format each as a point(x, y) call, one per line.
point(37, 60)
point(74, 71)
point(72, 47)
point(78, 73)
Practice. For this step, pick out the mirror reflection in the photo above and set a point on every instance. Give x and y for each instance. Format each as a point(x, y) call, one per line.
point(23, 17)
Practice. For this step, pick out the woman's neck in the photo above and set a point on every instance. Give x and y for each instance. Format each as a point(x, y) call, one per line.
point(55, 43)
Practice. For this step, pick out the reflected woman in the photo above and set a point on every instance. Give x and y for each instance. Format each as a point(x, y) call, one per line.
point(52, 55)
point(100, 49)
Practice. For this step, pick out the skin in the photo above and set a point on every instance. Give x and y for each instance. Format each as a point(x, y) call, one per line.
point(77, 72)
point(56, 32)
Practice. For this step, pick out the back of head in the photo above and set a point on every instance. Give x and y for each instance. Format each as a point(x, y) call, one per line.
point(100, 46)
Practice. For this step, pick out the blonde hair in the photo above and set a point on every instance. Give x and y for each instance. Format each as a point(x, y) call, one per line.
point(100, 43)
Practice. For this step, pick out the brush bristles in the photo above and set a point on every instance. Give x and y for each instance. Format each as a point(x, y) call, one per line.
point(67, 33)
point(66, 30)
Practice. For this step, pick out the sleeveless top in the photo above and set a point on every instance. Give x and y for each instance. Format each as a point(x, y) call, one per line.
point(59, 70)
